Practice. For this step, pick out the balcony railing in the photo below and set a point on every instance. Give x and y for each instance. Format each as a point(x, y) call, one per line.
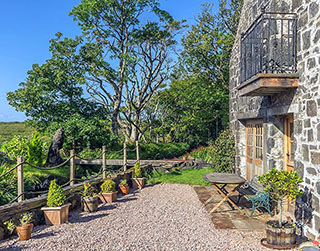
point(269, 46)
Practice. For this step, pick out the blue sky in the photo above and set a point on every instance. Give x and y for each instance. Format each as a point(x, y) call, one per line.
point(27, 26)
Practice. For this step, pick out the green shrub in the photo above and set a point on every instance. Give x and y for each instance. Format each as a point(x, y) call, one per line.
point(123, 183)
point(108, 186)
point(35, 150)
point(136, 172)
point(163, 150)
point(223, 152)
point(17, 146)
point(56, 196)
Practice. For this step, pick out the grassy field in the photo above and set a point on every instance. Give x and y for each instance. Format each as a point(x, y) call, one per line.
point(10, 129)
point(189, 177)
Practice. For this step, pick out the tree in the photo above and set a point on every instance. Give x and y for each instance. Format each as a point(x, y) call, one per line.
point(51, 92)
point(125, 60)
point(208, 46)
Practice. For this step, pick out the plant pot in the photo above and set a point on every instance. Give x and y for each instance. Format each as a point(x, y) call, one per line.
point(285, 236)
point(24, 232)
point(138, 183)
point(56, 215)
point(90, 204)
point(124, 189)
point(108, 197)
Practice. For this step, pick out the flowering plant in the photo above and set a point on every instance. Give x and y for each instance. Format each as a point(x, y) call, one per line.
point(24, 220)
point(88, 191)
point(317, 242)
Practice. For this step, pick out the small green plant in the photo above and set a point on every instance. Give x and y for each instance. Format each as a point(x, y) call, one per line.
point(280, 185)
point(56, 196)
point(136, 173)
point(108, 186)
point(10, 225)
point(24, 220)
point(35, 150)
point(88, 191)
point(123, 183)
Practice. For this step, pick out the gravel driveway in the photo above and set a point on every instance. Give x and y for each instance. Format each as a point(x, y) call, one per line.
point(160, 217)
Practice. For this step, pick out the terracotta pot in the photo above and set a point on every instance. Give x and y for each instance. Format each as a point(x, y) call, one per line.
point(108, 197)
point(24, 232)
point(90, 204)
point(56, 215)
point(124, 189)
point(281, 236)
point(138, 183)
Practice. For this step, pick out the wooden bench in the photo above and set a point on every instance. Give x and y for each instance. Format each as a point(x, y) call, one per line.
point(254, 192)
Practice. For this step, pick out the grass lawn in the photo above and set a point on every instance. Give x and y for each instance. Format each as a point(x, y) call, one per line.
point(189, 177)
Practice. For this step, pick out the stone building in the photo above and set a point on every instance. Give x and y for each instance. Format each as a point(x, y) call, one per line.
point(275, 94)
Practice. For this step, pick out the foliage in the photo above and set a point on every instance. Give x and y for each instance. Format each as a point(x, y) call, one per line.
point(17, 146)
point(190, 177)
point(280, 184)
point(84, 132)
point(162, 150)
point(136, 172)
point(35, 150)
point(108, 186)
point(88, 191)
point(25, 219)
point(222, 153)
point(123, 183)
point(56, 196)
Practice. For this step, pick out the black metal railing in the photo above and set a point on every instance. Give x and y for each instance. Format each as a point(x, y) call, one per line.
point(269, 45)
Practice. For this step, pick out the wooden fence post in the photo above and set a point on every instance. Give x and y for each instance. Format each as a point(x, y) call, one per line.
point(124, 156)
point(104, 162)
point(20, 160)
point(137, 150)
point(72, 168)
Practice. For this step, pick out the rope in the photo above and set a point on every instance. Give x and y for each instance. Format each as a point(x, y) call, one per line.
point(9, 171)
point(16, 198)
point(49, 168)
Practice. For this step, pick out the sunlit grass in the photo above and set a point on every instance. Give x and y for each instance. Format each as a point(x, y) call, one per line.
point(189, 177)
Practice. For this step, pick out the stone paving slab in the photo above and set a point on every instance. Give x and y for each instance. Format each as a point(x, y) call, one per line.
point(226, 218)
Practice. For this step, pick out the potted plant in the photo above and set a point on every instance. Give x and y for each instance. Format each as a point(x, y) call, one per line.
point(89, 198)
point(281, 185)
point(108, 192)
point(56, 212)
point(124, 187)
point(24, 229)
point(137, 179)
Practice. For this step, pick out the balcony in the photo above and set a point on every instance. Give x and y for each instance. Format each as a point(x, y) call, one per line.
point(269, 55)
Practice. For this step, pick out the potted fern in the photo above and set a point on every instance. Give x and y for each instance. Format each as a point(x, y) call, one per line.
point(108, 192)
point(137, 179)
point(24, 228)
point(89, 198)
point(56, 212)
point(124, 187)
point(281, 185)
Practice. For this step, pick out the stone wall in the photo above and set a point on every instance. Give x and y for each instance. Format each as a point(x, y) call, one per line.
point(303, 103)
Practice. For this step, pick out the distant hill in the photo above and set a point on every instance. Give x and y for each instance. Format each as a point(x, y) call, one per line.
point(9, 129)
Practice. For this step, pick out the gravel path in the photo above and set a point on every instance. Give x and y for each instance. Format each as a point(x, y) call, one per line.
point(160, 217)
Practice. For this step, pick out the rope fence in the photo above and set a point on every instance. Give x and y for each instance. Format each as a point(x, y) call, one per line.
point(71, 160)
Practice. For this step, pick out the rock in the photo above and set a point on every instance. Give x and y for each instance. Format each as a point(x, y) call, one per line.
point(54, 157)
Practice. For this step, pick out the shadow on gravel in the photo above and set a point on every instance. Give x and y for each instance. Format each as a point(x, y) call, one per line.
point(87, 218)
point(43, 235)
point(13, 247)
point(126, 199)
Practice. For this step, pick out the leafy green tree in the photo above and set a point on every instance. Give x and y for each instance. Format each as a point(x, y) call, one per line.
point(52, 92)
point(125, 58)
point(17, 146)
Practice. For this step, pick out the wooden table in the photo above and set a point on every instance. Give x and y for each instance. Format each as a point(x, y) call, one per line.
point(219, 181)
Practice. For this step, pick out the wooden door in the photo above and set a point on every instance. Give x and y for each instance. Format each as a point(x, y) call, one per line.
point(254, 148)
point(289, 155)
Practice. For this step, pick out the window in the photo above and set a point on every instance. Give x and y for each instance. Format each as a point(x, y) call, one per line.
point(254, 136)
